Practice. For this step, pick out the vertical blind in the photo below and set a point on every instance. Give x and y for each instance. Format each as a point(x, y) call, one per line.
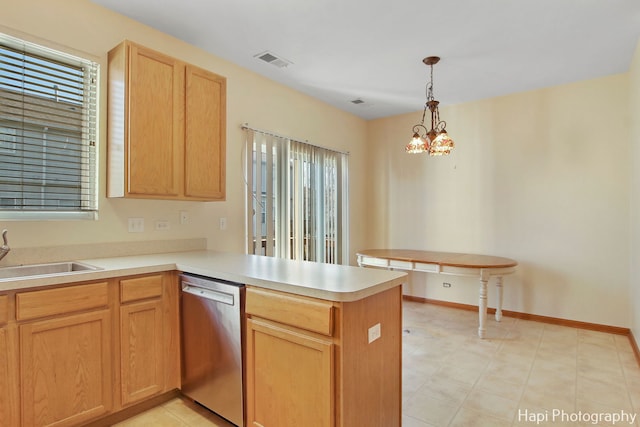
point(48, 107)
point(296, 199)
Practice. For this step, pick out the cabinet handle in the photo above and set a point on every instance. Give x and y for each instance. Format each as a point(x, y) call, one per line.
point(209, 294)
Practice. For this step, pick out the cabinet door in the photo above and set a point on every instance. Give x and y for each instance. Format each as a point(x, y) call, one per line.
point(154, 157)
point(8, 378)
point(205, 134)
point(8, 366)
point(289, 377)
point(66, 369)
point(142, 350)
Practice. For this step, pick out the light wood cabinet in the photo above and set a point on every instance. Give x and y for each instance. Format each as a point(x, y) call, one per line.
point(295, 367)
point(8, 411)
point(61, 301)
point(65, 358)
point(66, 369)
point(149, 336)
point(9, 392)
point(205, 135)
point(4, 310)
point(141, 350)
point(310, 361)
point(72, 355)
point(166, 127)
point(141, 339)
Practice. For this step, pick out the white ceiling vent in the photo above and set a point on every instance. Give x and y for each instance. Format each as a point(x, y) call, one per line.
point(273, 59)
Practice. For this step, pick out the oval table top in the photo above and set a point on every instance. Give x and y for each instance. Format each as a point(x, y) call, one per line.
point(441, 258)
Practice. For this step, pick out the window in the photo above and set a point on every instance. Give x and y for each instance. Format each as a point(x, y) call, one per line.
point(48, 104)
point(296, 200)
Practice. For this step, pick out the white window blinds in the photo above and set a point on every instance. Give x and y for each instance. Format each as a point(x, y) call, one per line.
point(296, 199)
point(48, 106)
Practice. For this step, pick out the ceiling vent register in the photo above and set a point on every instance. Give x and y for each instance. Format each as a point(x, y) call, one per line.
point(273, 59)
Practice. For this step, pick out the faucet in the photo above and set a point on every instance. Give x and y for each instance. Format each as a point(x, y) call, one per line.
point(4, 249)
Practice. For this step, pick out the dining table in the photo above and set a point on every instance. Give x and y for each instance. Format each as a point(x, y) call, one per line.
point(481, 266)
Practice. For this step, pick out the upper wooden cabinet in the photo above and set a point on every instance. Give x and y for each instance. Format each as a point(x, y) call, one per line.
point(166, 127)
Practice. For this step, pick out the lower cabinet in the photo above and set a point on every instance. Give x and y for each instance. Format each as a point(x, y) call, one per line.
point(9, 404)
point(5, 372)
point(318, 363)
point(66, 355)
point(73, 354)
point(295, 367)
point(141, 350)
point(66, 369)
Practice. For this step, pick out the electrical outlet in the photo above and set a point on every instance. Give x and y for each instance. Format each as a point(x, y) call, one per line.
point(374, 333)
point(184, 217)
point(223, 223)
point(446, 285)
point(136, 225)
point(162, 225)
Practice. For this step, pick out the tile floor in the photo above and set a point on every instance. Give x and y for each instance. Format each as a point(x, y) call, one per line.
point(523, 374)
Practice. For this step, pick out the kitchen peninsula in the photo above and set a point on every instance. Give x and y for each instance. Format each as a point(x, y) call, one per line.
point(322, 342)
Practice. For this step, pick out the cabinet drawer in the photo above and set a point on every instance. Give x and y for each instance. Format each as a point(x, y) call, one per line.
point(302, 312)
point(4, 309)
point(49, 302)
point(140, 288)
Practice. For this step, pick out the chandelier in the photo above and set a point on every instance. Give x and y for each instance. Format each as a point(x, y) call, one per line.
point(435, 141)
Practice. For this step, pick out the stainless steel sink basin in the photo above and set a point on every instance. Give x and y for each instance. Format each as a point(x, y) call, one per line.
point(55, 268)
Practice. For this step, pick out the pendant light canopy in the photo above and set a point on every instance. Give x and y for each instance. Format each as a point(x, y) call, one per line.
point(435, 141)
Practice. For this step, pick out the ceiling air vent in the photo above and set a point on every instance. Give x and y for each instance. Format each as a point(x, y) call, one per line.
point(357, 101)
point(273, 59)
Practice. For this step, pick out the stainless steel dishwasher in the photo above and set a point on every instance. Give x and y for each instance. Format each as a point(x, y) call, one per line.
point(211, 326)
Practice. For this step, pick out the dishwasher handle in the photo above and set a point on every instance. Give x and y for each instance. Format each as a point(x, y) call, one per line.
point(209, 294)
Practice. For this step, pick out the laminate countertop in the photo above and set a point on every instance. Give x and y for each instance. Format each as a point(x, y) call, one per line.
point(325, 281)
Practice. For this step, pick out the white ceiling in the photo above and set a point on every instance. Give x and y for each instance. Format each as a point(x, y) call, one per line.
point(342, 50)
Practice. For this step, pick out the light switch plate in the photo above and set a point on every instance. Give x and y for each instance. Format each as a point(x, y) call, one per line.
point(136, 225)
point(374, 332)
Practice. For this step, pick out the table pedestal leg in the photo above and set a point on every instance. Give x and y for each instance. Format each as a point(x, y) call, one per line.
point(499, 292)
point(482, 306)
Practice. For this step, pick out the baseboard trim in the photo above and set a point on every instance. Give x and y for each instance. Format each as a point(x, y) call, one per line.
point(526, 316)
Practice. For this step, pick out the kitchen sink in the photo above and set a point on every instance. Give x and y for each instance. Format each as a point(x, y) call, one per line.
point(56, 268)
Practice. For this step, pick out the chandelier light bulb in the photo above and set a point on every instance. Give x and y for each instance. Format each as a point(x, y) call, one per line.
point(441, 145)
point(417, 145)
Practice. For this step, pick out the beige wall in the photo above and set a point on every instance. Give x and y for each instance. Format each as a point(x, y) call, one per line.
point(634, 95)
point(541, 177)
point(79, 25)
